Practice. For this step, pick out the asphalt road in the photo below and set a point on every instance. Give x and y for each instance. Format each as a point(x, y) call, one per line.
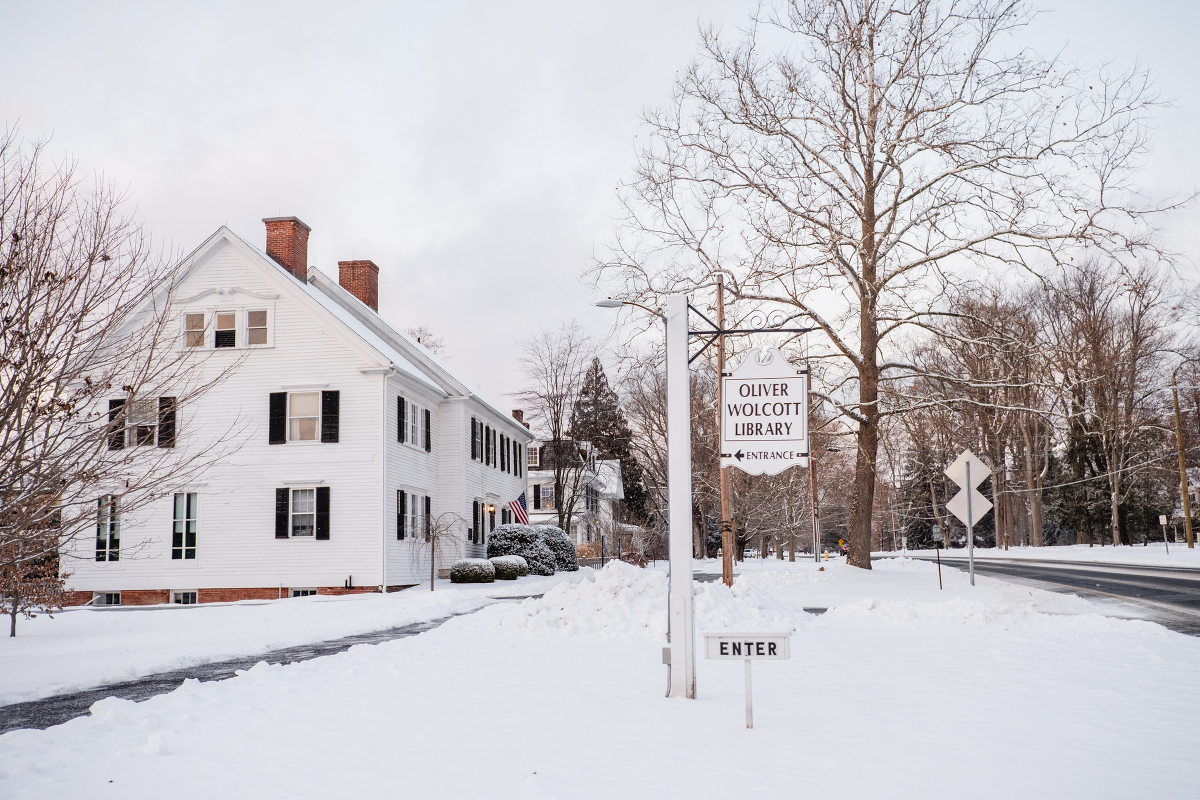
point(1169, 595)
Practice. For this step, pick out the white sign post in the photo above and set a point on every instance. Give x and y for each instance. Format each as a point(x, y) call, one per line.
point(748, 645)
point(968, 505)
point(680, 621)
point(764, 414)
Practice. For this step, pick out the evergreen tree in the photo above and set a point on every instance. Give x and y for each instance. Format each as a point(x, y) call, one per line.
point(597, 417)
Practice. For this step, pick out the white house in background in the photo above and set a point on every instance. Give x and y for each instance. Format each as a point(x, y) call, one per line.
point(354, 435)
point(599, 489)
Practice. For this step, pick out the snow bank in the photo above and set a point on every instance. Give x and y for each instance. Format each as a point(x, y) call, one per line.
point(1153, 554)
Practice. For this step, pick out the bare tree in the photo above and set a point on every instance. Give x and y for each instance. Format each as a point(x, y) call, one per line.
point(555, 363)
point(850, 172)
point(441, 542)
point(94, 370)
point(426, 339)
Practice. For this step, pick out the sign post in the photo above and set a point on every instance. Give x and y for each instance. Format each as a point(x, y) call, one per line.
point(937, 549)
point(749, 645)
point(968, 472)
point(764, 414)
point(1162, 520)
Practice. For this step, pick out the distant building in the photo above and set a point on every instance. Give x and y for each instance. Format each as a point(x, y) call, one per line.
point(596, 486)
point(355, 437)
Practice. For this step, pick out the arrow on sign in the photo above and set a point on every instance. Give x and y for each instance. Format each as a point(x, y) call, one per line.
point(738, 455)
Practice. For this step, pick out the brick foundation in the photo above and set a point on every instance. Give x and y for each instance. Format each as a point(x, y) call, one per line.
point(77, 598)
point(145, 597)
point(149, 597)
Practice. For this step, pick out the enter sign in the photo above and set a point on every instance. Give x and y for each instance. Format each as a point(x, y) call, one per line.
point(758, 645)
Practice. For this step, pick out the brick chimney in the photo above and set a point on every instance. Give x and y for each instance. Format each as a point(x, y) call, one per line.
point(519, 416)
point(361, 279)
point(287, 243)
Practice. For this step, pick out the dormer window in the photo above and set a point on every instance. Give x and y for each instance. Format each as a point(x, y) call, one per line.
point(226, 331)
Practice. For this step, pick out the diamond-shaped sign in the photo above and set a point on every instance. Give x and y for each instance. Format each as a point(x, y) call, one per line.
point(957, 471)
point(980, 505)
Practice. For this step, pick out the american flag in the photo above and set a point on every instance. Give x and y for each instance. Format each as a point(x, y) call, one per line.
point(518, 508)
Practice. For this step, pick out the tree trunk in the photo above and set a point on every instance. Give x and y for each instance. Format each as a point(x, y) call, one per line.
point(16, 603)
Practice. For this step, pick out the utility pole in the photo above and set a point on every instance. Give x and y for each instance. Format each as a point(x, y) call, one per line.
point(1183, 479)
point(726, 514)
point(812, 479)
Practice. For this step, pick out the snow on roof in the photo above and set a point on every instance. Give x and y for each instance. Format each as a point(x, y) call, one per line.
point(609, 471)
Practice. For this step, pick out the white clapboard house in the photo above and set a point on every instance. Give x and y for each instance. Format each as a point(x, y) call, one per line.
point(353, 437)
point(598, 490)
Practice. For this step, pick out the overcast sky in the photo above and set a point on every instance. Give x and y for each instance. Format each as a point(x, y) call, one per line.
point(471, 149)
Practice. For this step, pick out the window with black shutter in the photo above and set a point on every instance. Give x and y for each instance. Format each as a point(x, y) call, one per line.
point(166, 422)
point(116, 424)
point(401, 513)
point(330, 414)
point(428, 433)
point(322, 512)
point(277, 433)
point(428, 518)
point(401, 419)
point(282, 518)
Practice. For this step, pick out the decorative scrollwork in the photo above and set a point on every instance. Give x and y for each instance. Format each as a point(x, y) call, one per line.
point(762, 320)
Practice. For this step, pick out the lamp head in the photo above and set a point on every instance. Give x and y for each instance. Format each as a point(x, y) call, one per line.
point(608, 302)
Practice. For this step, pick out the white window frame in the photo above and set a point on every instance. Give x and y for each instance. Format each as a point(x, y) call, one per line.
point(177, 593)
point(204, 337)
point(241, 327)
point(308, 591)
point(317, 438)
point(414, 434)
point(110, 517)
point(533, 457)
point(195, 519)
point(100, 598)
point(292, 513)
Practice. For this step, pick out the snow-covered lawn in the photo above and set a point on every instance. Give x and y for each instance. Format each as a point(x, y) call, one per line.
point(84, 647)
point(899, 691)
point(1151, 554)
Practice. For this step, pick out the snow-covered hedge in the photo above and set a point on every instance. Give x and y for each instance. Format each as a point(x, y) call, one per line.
point(560, 545)
point(523, 541)
point(472, 570)
point(509, 568)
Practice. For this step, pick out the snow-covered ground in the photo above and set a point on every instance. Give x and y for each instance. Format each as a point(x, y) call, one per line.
point(1151, 554)
point(83, 647)
point(899, 691)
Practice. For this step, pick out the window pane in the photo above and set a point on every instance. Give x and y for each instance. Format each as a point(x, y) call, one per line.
point(306, 405)
point(226, 322)
point(303, 524)
point(304, 500)
point(195, 330)
point(304, 430)
point(257, 319)
point(256, 336)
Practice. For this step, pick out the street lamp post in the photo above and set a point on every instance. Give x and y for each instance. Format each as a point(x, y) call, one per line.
point(680, 609)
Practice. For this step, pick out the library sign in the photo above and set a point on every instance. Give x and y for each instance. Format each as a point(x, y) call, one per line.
point(764, 414)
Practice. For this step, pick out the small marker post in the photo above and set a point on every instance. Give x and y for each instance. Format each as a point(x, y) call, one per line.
point(749, 698)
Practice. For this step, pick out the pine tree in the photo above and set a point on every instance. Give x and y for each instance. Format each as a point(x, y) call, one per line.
point(597, 417)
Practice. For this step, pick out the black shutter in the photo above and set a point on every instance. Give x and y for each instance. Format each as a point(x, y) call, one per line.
point(116, 424)
point(537, 496)
point(402, 419)
point(330, 401)
point(166, 422)
point(278, 426)
point(475, 521)
point(473, 447)
point(281, 513)
point(428, 516)
point(401, 514)
point(322, 512)
point(428, 433)
point(487, 445)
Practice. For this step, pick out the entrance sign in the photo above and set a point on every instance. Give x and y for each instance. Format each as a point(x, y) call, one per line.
point(748, 645)
point(968, 505)
point(764, 414)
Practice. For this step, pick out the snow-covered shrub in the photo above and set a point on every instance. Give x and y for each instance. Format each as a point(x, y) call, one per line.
point(560, 545)
point(524, 541)
point(472, 570)
point(509, 568)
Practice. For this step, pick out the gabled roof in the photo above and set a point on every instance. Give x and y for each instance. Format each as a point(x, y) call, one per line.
point(399, 349)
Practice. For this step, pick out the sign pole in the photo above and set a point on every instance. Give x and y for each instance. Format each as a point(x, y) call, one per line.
point(964, 504)
point(680, 618)
point(727, 543)
point(749, 700)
